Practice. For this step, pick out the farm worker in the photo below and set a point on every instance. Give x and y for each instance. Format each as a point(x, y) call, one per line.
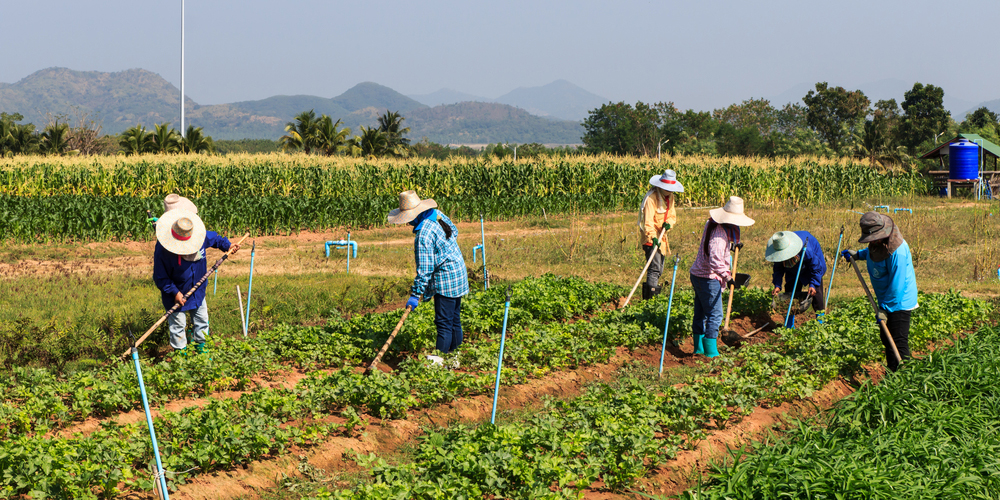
point(784, 249)
point(657, 211)
point(440, 267)
point(890, 267)
point(178, 262)
point(710, 272)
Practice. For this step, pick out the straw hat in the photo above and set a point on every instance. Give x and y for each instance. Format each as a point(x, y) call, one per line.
point(174, 201)
point(667, 181)
point(410, 206)
point(731, 213)
point(180, 231)
point(782, 246)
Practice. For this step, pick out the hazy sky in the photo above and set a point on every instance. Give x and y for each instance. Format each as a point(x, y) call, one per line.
point(700, 54)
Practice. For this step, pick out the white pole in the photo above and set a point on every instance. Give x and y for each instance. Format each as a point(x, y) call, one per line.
point(183, 131)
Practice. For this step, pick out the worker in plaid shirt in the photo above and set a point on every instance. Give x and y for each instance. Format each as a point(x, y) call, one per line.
point(440, 267)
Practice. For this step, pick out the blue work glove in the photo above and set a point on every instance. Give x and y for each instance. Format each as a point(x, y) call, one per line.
point(850, 255)
point(413, 302)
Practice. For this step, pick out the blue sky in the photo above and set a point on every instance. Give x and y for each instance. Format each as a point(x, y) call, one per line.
point(700, 55)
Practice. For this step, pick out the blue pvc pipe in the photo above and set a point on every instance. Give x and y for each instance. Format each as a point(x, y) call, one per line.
point(795, 289)
point(482, 232)
point(215, 288)
point(503, 336)
point(670, 304)
point(826, 299)
point(149, 423)
point(352, 246)
point(349, 253)
point(253, 252)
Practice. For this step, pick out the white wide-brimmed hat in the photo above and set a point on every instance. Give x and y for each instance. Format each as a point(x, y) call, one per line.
point(782, 246)
point(180, 231)
point(410, 206)
point(667, 181)
point(174, 201)
point(731, 213)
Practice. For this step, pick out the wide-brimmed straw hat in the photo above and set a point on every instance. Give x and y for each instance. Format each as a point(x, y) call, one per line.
point(667, 181)
point(180, 231)
point(174, 201)
point(731, 213)
point(782, 246)
point(874, 226)
point(410, 206)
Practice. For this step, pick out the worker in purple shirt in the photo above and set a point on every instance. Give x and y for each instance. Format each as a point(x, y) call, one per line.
point(178, 262)
point(784, 249)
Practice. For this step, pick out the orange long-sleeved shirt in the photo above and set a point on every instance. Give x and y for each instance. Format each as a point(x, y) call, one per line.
point(656, 209)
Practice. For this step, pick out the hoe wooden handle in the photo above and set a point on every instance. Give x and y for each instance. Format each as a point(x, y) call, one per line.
point(732, 288)
point(399, 326)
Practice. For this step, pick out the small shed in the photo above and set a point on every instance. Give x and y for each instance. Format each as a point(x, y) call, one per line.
point(990, 172)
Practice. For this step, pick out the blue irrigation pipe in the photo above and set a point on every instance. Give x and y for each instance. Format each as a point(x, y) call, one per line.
point(215, 288)
point(149, 420)
point(253, 251)
point(482, 232)
point(670, 304)
point(348, 252)
point(826, 299)
point(503, 336)
point(795, 289)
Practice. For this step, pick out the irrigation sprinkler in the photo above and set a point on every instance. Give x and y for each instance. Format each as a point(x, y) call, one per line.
point(897, 210)
point(253, 251)
point(876, 207)
point(188, 294)
point(162, 483)
point(351, 246)
point(795, 288)
point(503, 336)
point(666, 324)
point(826, 300)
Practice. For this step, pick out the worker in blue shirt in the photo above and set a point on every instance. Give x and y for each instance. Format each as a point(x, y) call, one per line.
point(441, 269)
point(784, 249)
point(178, 262)
point(890, 266)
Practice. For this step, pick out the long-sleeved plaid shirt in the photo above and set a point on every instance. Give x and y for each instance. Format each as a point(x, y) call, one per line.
point(440, 265)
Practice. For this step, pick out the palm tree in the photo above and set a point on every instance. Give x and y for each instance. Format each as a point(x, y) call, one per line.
point(194, 141)
point(136, 140)
point(371, 142)
point(301, 132)
point(166, 139)
point(391, 124)
point(55, 139)
point(330, 139)
point(23, 139)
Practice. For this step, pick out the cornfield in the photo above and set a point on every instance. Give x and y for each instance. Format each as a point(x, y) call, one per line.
point(43, 198)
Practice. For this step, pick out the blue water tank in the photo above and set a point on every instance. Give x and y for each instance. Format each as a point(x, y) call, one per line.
point(963, 160)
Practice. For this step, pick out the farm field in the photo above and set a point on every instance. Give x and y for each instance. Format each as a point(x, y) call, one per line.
point(289, 400)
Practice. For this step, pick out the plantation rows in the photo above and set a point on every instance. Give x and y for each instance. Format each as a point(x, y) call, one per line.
point(102, 199)
point(584, 436)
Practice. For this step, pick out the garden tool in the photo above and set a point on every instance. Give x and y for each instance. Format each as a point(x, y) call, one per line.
point(243, 319)
point(253, 252)
point(795, 287)
point(829, 287)
point(503, 336)
point(732, 288)
point(649, 261)
point(378, 358)
point(162, 480)
point(871, 300)
point(670, 304)
point(188, 294)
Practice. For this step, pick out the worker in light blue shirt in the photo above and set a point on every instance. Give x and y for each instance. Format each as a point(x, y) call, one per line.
point(890, 267)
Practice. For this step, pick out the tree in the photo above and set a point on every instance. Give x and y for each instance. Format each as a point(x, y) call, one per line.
point(136, 140)
point(877, 142)
point(54, 138)
point(86, 137)
point(195, 141)
point(165, 139)
point(924, 117)
point(756, 113)
point(371, 142)
point(391, 125)
point(23, 139)
point(330, 138)
point(620, 129)
point(981, 118)
point(835, 113)
point(301, 133)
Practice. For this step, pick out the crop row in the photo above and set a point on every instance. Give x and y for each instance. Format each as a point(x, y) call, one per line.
point(617, 433)
point(60, 199)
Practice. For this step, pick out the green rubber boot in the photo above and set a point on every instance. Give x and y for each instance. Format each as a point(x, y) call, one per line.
point(201, 348)
point(699, 348)
point(711, 347)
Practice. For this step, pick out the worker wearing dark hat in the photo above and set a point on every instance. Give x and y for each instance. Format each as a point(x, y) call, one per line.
point(890, 266)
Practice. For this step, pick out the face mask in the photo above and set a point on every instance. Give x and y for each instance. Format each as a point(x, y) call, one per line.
point(790, 263)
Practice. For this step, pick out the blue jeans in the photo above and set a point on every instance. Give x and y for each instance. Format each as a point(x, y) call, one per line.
point(177, 324)
point(448, 320)
point(707, 307)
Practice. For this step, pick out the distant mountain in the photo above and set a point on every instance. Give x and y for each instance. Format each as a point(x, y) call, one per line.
point(559, 99)
point(481, 123)
point(993, 106)
point(447, 96)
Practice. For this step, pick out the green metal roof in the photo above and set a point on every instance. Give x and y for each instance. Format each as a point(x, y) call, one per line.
point(988, 146)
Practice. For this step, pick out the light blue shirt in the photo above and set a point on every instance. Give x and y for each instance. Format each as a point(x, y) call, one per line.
point(893, 280)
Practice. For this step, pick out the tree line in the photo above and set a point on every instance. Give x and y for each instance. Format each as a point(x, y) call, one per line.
point(831, 121)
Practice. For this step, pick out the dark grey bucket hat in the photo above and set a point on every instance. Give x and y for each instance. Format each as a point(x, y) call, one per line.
point(874, 226)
